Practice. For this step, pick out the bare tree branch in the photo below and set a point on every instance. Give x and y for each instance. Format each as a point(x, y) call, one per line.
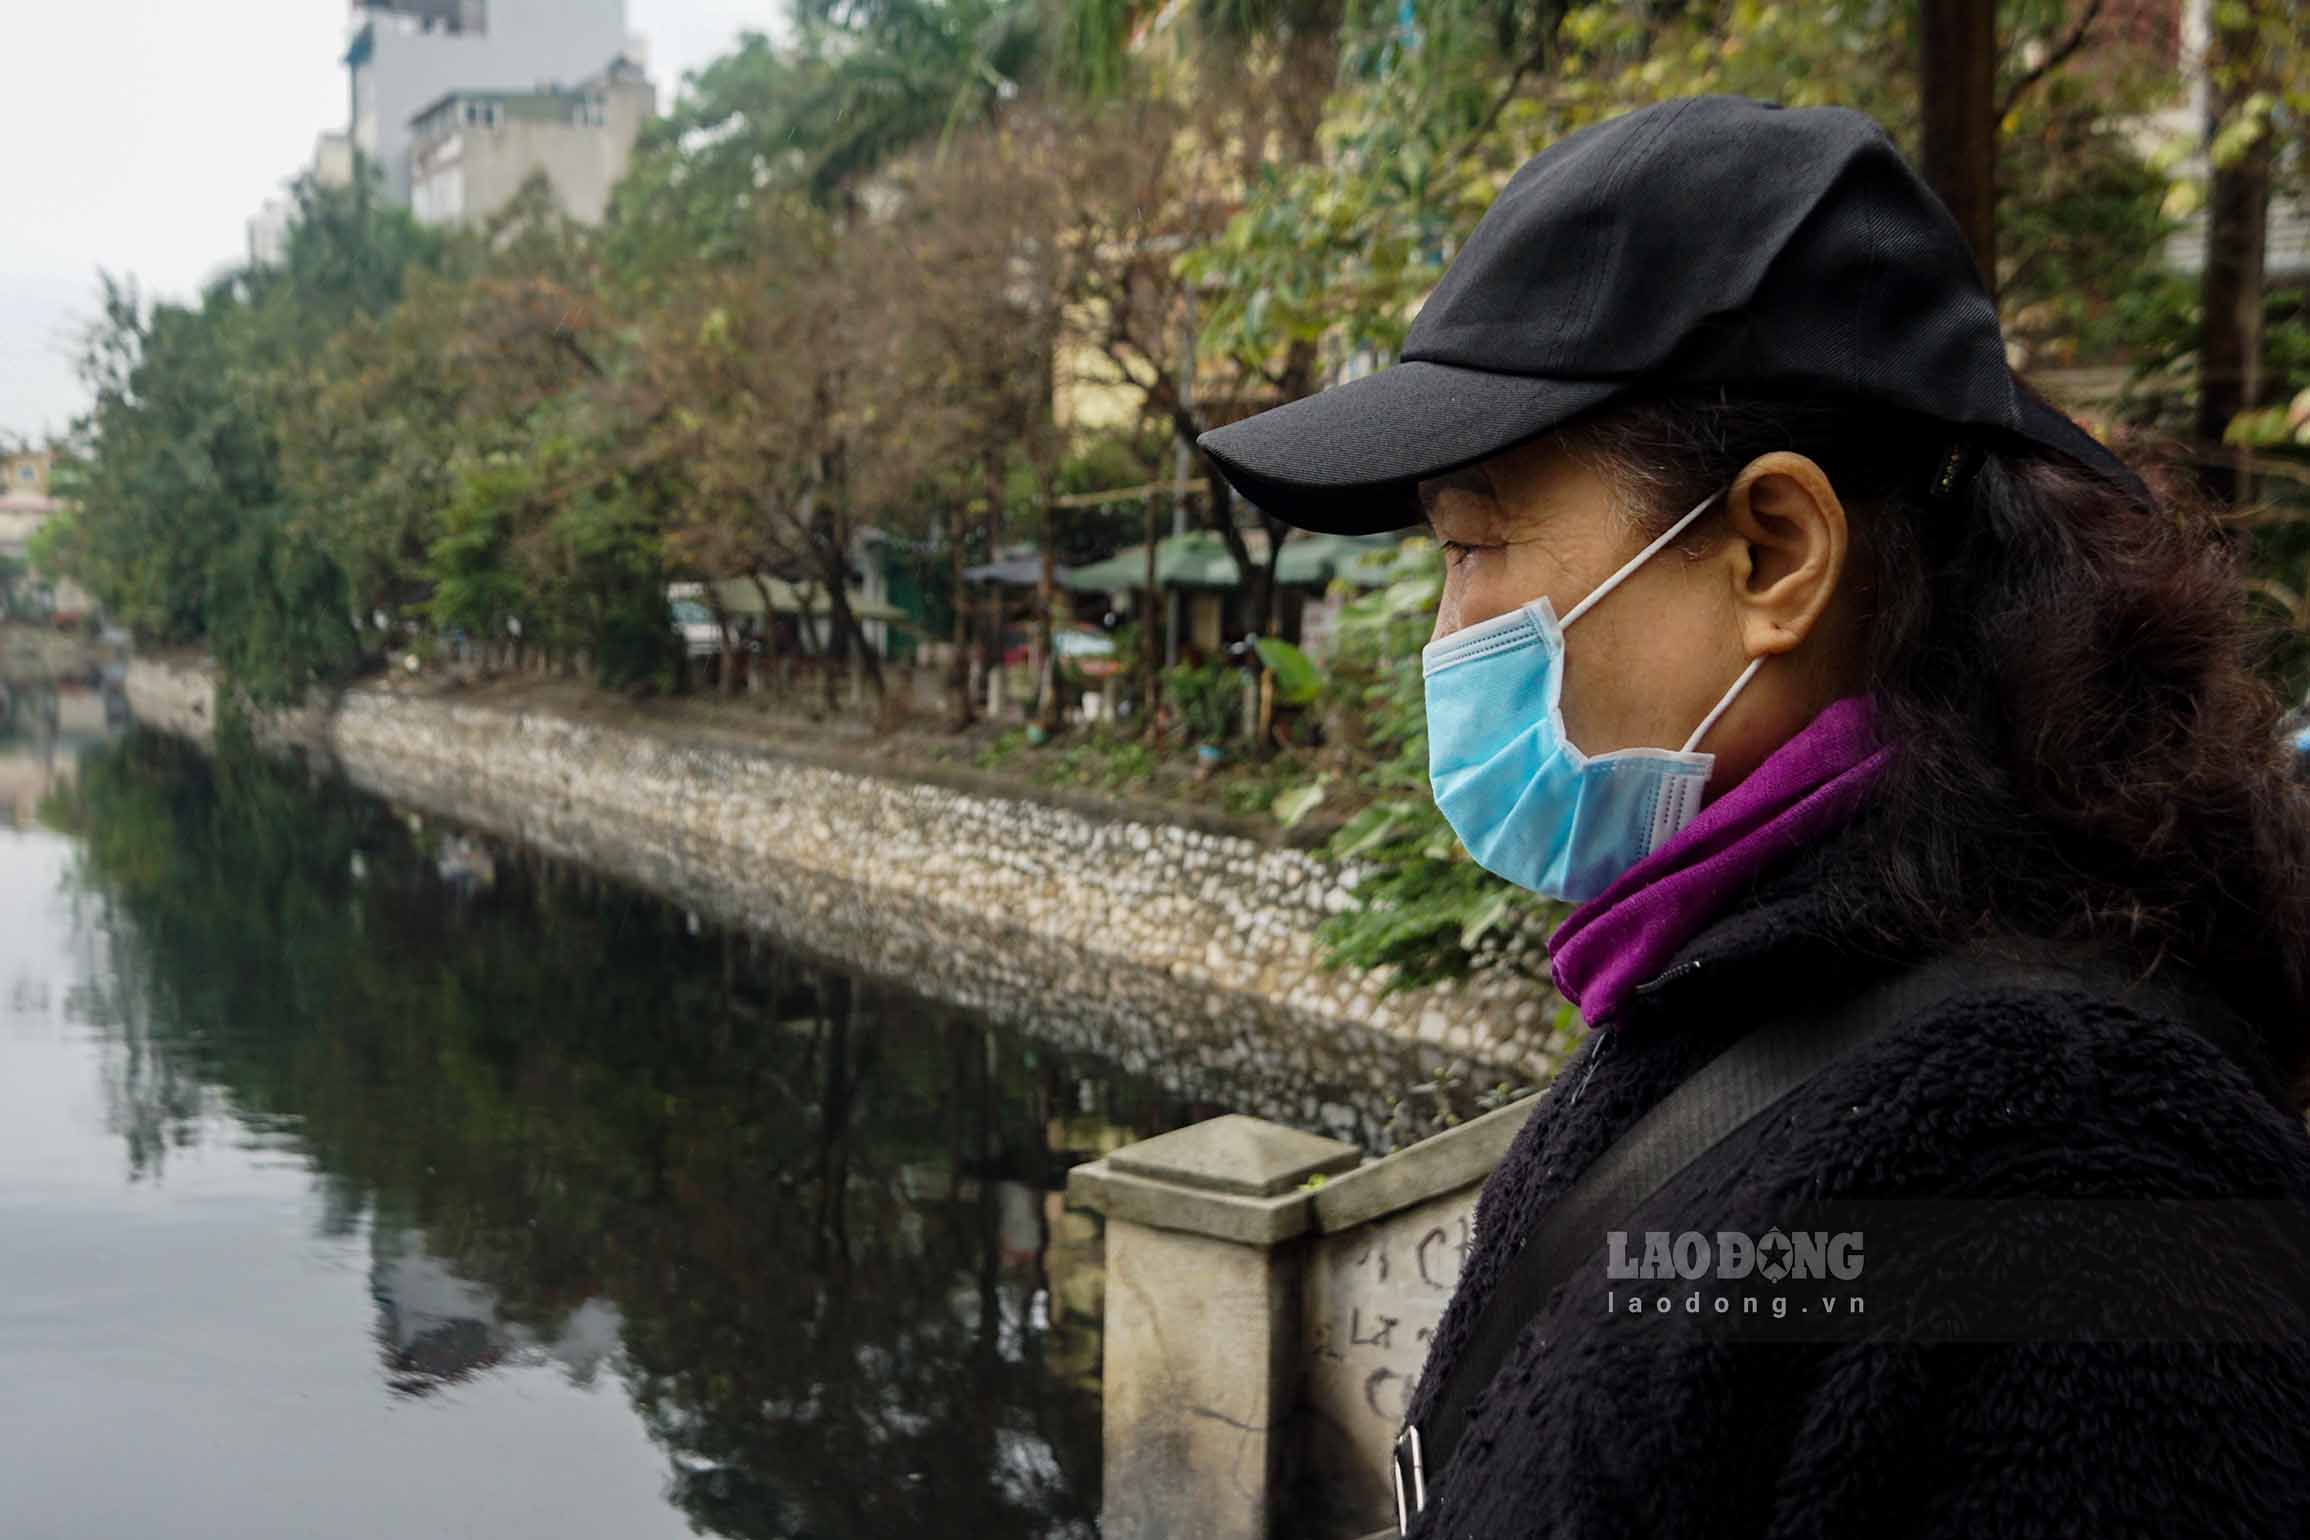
point(2062, 53)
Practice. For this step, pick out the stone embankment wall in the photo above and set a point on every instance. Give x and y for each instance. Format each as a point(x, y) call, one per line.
point(1169, 946)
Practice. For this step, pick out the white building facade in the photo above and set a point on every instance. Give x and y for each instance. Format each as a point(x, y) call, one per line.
point(406, 55)
point(471, 151)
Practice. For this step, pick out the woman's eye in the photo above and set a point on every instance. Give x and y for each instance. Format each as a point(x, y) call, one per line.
point(1456, 551)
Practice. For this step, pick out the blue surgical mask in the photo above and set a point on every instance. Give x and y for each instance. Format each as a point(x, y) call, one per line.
point(1530, 806)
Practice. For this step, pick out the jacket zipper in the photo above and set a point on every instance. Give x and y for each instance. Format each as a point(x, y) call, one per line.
point(1680, 971)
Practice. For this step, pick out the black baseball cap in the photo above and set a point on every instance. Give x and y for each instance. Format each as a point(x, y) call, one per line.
point(1709, 240)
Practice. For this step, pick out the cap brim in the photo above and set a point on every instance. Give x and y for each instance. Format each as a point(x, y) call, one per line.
point(1346, 461)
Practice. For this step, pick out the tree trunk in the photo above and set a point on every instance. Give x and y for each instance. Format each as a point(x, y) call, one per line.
point(1219, 516)
point(1046, 592)
point(851, 652)
point(728, 683)
point(2237, 239)
point(840, 525)
point(804, 632)
point(1264, 621)
point(769, 625)
point(1958, 82)
point(1256, 577)
point(991, 620)
point(832, 663)
point(1044, 448)
point(1299, 379)
point(850, 636)
point(1151, 630)
point(958, 672)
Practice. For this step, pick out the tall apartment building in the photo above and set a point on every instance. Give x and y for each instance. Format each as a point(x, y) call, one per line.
point(471, 151)
point(407, 55)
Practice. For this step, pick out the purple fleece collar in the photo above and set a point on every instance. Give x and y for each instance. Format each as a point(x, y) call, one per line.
point(1626, 934)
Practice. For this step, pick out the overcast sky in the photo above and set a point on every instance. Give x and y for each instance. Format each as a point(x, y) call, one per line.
point(138, 136)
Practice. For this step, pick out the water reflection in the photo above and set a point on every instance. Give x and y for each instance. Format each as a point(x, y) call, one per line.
point(46, 724)
point(436, 1329)
point(810, 1228)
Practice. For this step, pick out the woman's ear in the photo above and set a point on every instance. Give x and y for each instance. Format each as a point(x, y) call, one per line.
point(1788, 534)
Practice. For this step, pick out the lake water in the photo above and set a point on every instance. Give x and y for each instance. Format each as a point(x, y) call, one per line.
point(361, 1176)
point(358, 1179)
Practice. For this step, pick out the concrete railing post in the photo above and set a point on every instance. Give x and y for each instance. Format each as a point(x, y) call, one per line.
point(1202, 1358)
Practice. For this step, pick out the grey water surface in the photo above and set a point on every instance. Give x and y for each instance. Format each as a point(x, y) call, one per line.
point(365, 1176)
point(367, 1181)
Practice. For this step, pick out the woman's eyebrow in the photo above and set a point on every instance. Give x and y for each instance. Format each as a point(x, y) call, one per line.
point(1466, 479)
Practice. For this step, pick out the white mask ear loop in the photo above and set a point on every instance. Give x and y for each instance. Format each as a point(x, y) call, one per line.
point(1725, 704)
point(1634, 562)
point(1638, 560)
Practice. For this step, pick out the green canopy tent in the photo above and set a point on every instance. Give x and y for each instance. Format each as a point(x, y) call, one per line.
point(1379, 564)
point(1196, 569)
point(1195, 560)
point(740, 596)
point(1316, 561)
point(1199, 559)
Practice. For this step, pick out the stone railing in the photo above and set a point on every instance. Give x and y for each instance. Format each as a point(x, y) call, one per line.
point(1264, 1327)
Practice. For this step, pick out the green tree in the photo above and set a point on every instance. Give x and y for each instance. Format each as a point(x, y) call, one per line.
point(885, 76)
point(512, 330)
point(188, 530)
point(693, 195)
point(759, 365)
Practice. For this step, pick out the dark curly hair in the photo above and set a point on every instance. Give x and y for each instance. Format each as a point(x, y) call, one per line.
point(2065, 671)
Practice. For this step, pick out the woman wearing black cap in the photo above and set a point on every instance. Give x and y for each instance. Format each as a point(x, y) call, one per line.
point(1942, 896)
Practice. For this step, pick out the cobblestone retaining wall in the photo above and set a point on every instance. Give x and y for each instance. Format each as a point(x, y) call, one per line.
point(1171, 946)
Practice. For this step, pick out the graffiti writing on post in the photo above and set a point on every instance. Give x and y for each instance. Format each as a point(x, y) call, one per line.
point(1375, 1298)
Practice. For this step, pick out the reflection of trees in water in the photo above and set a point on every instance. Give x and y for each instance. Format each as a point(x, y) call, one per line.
point(46, 724)
point(815, 1218)
point(436, 1329)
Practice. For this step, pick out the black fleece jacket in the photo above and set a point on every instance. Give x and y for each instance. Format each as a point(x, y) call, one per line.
point(1599, 1428)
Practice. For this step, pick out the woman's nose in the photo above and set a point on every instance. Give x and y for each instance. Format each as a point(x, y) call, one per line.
point(1447, 614)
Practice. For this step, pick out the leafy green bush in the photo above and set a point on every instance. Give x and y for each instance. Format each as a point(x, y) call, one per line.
point(1096, 761)
point(999, 754)
point(1101, 762)
point(1297, 680)
point(1208, 698)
